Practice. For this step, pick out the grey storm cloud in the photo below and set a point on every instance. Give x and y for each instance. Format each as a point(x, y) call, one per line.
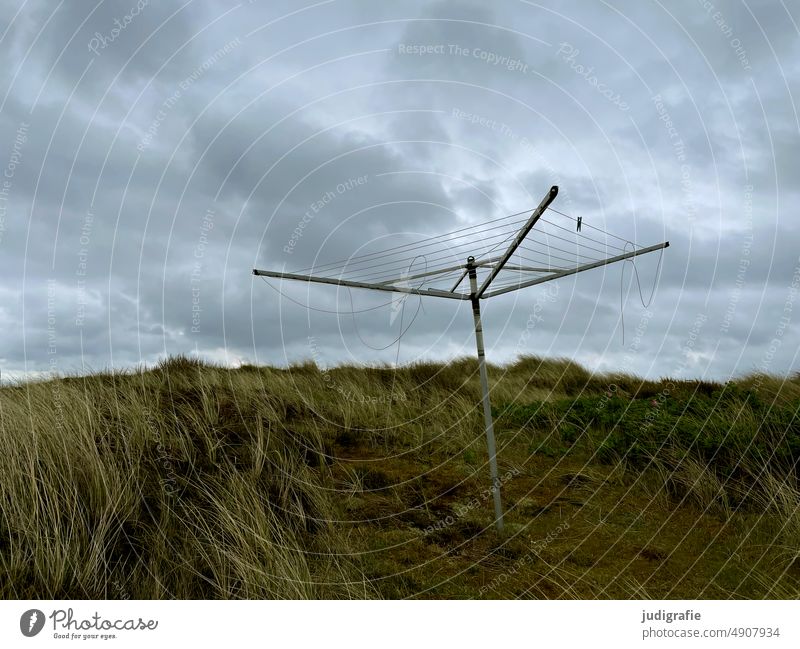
point(152, 154)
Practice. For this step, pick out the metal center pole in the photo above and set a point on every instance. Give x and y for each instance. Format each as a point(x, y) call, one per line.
point(487, 408)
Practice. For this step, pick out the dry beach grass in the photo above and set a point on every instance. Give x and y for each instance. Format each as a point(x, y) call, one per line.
point(195, 481)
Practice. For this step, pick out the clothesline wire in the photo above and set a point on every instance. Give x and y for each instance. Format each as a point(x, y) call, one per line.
point(587, 225)
point(360, 268)
point(549, 254)
point(412, 245)
point(446, 257)
point(379, 259)
point(453, 256)
point(561, 227)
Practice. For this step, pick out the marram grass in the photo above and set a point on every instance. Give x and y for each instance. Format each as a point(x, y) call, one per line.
point(194, 481)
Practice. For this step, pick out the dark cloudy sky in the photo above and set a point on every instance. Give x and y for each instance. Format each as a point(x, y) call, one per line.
point(154, 153)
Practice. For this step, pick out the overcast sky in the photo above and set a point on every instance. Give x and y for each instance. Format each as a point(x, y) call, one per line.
point(154, 153)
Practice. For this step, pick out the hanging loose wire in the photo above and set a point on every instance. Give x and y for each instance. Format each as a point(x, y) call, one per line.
point(623, 250)
point(632, 260)
point(402, 312)
point(402, 331)
point(397, 356)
